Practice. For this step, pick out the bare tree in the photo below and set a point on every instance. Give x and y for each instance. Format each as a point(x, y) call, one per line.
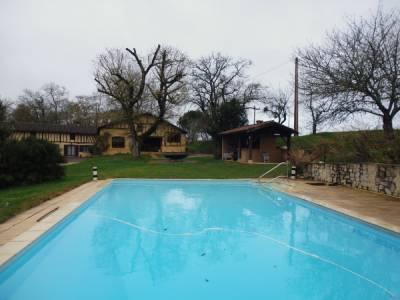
point(167, 86)
point(124, 77)
point(277, 105)
point(321, 111)
point(124, 80)
point(56, 97)
point(35, 103)
point(359, 68)
point(44, 105)
point(94, 110)
point(218, 79)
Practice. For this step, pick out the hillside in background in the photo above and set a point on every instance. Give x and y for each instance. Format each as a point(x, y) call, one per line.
point(347, 146)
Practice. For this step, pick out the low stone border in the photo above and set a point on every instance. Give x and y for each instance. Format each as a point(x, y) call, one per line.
point(381, 178)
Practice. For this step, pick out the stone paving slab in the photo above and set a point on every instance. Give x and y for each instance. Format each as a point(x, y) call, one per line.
point(20, 231)
point(377, 209)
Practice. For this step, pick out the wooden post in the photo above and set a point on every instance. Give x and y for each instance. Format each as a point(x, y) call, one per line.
point(95, 175)
point(239, 147)
point(222, 147)
point(296, 95)
point(288, 143)
point(250, 159)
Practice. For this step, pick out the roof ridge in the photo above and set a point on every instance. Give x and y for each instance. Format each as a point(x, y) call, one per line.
point(256, 127)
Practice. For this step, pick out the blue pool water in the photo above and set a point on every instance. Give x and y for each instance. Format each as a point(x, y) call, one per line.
point(153, 239)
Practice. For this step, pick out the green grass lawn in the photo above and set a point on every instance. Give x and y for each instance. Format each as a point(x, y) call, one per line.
point(17, 199)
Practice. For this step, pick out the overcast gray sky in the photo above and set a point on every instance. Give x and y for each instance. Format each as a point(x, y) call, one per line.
point(57, 40)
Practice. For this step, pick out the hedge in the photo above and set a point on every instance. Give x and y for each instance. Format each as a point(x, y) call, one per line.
point(29, 161)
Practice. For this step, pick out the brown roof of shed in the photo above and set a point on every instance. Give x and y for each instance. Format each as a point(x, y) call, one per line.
point(53, 128)
point(255, 127)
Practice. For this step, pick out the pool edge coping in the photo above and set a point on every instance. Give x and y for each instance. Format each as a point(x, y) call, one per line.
point(22, 241)
point(369, 221)
point(26, 238)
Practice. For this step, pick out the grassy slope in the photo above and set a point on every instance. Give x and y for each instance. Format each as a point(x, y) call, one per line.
point(17, 199)
point(311, 140)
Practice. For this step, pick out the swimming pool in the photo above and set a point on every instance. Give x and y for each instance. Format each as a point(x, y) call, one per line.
point(182, 239)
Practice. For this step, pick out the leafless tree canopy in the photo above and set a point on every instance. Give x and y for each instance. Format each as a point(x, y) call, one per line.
point(50, 104)
point(136, 86)
point(277, 104)
point(320, 109)
point(94, 110)
point(45, 104)
point(167, 84)
point(57, 97)
point(359, 68)
point(218, 79)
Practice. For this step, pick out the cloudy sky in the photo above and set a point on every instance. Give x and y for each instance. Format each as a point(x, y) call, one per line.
point(57, 40)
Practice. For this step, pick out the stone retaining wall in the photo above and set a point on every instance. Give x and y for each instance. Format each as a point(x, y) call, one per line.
point(380, 178)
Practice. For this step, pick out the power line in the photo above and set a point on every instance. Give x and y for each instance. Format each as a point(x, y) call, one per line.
point(254, 108)
point(276, 67)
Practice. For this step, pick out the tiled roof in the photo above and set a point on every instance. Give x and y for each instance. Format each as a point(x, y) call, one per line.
point(111, 124)
point(53, 128)
point(251, 128)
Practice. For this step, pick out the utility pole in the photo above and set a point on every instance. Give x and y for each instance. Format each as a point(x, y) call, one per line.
point(254, 108)
point(296, 95)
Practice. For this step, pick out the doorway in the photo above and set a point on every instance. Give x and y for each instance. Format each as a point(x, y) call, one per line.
point(151, 144)
point(70, 150)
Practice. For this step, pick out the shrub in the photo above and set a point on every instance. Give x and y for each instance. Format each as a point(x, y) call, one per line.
point(101, 144)
point(4, 132)
point(29, 161)
point(300, 158)
point(201, 147)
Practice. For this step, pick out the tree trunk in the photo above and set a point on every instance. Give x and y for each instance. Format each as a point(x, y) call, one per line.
point(217, 144)
point(314, 128)
point(135, 151)
point(388, 127)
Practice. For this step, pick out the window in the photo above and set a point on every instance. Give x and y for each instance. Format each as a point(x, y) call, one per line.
point(72, 136)
point(84, 148)
point(118, 142)
point(174, 138)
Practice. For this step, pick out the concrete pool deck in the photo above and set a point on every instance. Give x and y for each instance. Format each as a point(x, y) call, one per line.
point(377, 209)
point(21, 230)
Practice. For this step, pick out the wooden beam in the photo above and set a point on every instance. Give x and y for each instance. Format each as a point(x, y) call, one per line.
point(250, 159)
